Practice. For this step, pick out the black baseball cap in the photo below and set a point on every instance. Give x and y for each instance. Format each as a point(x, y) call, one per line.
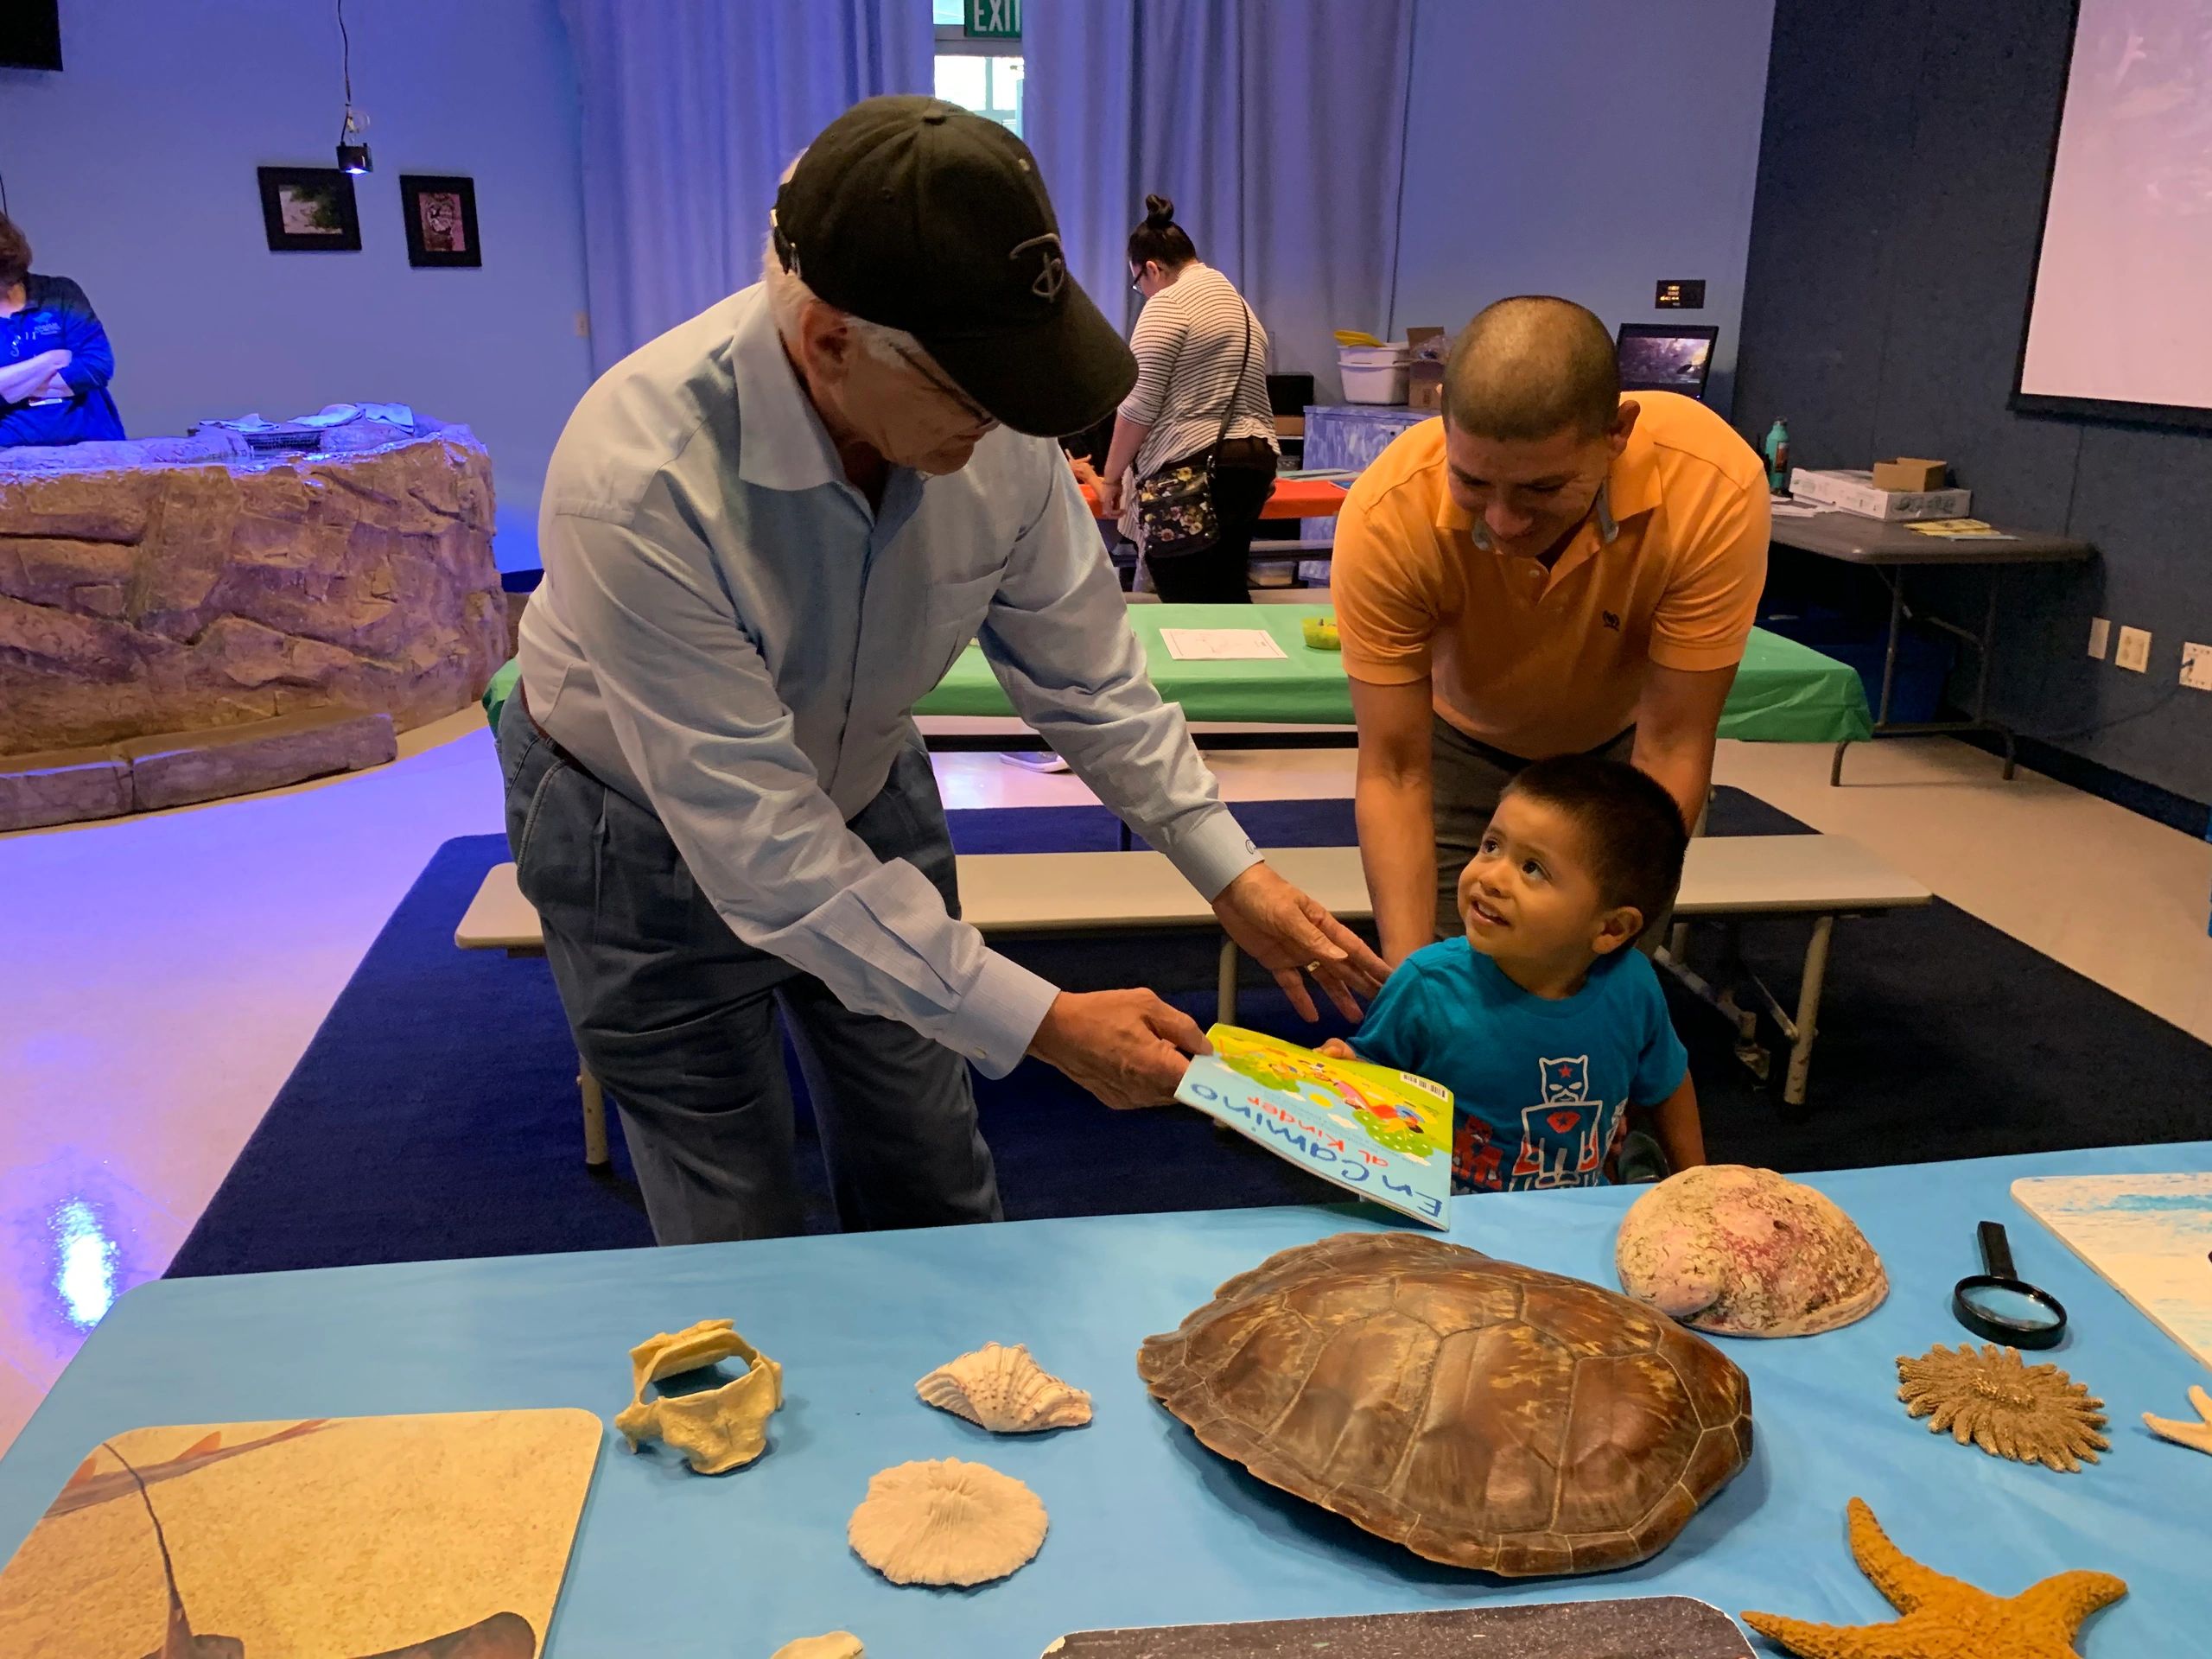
point(920, 215)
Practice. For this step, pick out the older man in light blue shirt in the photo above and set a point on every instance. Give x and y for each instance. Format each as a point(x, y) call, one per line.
point(767, 534)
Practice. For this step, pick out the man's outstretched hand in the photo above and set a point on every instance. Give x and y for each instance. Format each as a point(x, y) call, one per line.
point(1289, 934)
point(1127, 1047)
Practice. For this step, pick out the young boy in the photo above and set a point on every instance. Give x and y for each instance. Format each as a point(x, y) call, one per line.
point(1545, 1021)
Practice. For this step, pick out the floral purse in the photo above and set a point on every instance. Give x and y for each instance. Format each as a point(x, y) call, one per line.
point(1175, 505)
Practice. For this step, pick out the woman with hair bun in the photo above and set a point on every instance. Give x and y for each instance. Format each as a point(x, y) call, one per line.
point(1194, 453)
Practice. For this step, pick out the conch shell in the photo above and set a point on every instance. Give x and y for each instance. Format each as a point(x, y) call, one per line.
point(716, 1430)
point(1003, 1389)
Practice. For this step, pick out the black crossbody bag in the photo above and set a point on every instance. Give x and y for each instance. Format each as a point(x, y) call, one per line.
point(1175, 505)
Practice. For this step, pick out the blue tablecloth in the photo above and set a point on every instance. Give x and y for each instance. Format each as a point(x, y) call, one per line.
point(1147, 1527)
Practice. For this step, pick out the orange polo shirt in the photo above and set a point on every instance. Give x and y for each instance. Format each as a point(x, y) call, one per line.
point(1667, 569)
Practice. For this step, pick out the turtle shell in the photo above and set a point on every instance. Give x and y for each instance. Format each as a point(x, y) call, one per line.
point(1479, 1413)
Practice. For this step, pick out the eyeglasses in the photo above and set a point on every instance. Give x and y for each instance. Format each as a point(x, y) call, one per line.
point(1137, 286)
point(966, 404)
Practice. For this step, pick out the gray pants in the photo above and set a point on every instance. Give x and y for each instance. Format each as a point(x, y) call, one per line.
point(677, 1018)
point(1467, 779)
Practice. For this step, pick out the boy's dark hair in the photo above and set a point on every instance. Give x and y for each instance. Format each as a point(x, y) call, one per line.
point(1630, 822)
point(15, 253)
point(1160, 237)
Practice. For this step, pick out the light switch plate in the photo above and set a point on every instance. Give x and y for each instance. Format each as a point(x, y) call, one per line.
point(2134, 652)
point(2100, 636)
point(2196, 666)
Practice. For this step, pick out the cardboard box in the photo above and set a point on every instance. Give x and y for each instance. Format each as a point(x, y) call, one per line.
point(1908, 473)
point(1425, 373)
point(1855, 491)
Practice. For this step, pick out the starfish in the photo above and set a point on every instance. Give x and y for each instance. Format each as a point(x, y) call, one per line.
point(2184, 1432)
point(1945, 1617)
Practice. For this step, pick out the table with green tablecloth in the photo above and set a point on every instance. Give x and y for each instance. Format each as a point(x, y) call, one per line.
point(1784, 693)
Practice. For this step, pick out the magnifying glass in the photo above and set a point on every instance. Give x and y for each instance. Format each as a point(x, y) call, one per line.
point(1997, 1304)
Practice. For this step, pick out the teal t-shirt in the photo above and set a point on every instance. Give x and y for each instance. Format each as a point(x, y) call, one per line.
point(1540, 1088)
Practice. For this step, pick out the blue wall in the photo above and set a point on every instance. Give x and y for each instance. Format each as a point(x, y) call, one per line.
point(1900, 197)
point(1587, 148)
point(133, 172)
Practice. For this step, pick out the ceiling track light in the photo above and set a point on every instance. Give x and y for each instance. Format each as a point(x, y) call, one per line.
point(353, 147)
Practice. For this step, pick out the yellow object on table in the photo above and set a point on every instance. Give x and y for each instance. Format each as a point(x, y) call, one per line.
point(1320, 633)
point(1356, 337)
point(1944, 1616)
point(717, 1429)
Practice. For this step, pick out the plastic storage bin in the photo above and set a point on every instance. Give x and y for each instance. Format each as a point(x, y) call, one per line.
point(1373, 374)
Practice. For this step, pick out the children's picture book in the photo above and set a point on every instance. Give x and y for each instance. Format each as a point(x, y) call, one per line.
point(1382, 1133)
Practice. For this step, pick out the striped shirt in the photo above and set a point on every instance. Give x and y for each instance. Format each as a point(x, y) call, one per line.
point(1188, 342)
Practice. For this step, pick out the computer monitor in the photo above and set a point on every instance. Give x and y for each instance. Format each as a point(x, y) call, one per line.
point(1666, 357)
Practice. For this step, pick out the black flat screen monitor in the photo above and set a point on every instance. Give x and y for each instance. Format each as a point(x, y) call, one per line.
point(30, 33)
point(1666, 357)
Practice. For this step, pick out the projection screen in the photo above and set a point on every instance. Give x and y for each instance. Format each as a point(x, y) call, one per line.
point(2119, 321)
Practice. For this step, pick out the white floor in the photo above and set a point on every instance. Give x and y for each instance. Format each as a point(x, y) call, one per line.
point(164, 973)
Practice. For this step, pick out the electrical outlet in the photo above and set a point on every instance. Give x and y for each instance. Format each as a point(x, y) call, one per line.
point(2100, 636)
point(2134, 650)
point(2196, 666)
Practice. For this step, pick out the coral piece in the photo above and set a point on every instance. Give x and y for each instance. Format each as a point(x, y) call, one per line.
point(1481, 1414)
point(1003, 1389)
point(946, 1522)
point(2198, 1435)
point(1742, 1252)
point(1944, 1618)
point(717, 1429)
point(838, 1645)
point(2031, 1414)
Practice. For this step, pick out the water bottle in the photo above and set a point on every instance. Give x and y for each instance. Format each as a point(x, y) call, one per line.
point(1777, 458)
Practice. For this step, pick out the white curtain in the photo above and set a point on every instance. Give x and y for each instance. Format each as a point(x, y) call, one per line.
point(692, 110)
point(1278, 127)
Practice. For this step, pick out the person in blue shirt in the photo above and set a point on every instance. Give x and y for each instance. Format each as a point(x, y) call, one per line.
point(55, 359)
point(1545, 1022)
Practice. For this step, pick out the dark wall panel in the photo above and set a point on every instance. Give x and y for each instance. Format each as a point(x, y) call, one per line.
point(1813, 315)
point(1893, 240)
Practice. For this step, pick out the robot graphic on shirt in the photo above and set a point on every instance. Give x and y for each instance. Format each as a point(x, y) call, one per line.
point(1562, 1136)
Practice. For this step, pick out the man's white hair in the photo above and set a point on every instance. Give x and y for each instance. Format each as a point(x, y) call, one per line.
point(788, 295)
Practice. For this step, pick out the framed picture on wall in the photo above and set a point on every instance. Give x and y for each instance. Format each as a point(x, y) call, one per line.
point(440, 219)
point(310, 210)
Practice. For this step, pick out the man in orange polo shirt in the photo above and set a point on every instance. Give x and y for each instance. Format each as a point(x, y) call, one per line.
point(1550, 568)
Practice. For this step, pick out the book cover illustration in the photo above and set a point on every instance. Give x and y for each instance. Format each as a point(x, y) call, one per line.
point(1382, 1133)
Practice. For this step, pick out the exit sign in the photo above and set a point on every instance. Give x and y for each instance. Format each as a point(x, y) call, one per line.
point(992, 20)
point(1671, 296)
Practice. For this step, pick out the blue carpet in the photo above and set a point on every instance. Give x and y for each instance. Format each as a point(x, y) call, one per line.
point(435, 1113)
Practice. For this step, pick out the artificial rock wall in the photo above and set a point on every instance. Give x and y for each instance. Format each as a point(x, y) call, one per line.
point(168, 597)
